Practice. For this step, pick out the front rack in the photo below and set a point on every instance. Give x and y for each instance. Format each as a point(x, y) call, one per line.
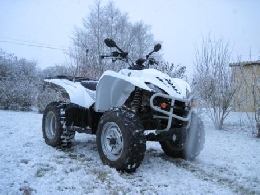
point(169, 114)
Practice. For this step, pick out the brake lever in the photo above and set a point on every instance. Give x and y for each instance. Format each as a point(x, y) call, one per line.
point(114, 60)
point(152, 61)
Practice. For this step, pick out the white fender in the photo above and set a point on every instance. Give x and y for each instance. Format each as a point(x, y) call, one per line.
point(77, 93)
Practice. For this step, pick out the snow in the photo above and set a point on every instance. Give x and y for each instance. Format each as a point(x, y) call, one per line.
point(229, 163)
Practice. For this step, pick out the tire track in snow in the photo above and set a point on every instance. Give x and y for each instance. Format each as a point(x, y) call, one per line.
point(219, 175)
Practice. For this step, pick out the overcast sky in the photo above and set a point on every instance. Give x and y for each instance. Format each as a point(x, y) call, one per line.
point(178, 24)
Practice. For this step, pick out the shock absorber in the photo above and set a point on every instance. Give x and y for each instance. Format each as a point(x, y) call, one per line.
point(137, 99)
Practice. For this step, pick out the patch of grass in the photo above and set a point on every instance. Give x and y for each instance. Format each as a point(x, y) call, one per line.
point(24, 161)
point(101, 175)
point(43, 169)
point(26, 190)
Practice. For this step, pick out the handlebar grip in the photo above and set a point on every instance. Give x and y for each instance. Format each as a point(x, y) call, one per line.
point(104, 56)
point(115, 54)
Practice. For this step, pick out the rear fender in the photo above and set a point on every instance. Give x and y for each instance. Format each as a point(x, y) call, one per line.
point(59, 90)
point(74, 92)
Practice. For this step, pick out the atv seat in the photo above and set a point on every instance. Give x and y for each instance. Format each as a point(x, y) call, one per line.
point(91, 85)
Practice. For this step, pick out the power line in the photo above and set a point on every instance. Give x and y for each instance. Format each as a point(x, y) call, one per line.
point(15, 39)
point(32, 44)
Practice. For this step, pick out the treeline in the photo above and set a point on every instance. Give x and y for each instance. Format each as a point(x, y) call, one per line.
point(21, 81)
point(18, 82)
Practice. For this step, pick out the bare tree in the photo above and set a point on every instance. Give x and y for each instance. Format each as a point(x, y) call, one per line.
point(174, 71)
point(258, 122)
point(107, 22)
point(212, 80)
point(256, 96)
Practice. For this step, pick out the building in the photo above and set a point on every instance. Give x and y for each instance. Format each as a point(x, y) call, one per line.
point(246, 76)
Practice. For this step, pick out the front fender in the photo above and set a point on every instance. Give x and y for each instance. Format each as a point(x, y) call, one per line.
point(113, 90)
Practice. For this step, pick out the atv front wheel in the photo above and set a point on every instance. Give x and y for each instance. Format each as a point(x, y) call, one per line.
point(53, 126)
point(190, 147)
point(120, 140)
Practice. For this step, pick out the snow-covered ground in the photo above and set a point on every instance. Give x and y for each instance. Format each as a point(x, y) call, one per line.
point(229, 163)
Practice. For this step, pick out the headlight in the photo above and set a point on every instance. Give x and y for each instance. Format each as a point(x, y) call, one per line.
point(154, 88)
point(188, 93)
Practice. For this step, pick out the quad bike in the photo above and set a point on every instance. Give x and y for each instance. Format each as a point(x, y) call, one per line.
point(125, 109)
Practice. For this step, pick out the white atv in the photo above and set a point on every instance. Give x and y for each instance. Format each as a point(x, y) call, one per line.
point(125, 109)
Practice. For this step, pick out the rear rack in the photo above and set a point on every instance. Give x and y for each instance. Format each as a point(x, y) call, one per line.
point(70, 78)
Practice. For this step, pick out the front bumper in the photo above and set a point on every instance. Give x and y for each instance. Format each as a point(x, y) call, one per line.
point(170, 113)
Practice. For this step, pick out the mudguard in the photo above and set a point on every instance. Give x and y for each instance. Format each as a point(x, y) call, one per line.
point(75, 91)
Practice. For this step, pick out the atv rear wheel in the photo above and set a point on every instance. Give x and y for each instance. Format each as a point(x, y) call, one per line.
point(120, 140)
point(193, 144)
point(53, 126)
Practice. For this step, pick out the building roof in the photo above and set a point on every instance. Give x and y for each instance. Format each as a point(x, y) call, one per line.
point(245, 63)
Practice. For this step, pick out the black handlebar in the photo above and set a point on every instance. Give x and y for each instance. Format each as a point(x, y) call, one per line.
point(120, 54)
point(115, 54)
